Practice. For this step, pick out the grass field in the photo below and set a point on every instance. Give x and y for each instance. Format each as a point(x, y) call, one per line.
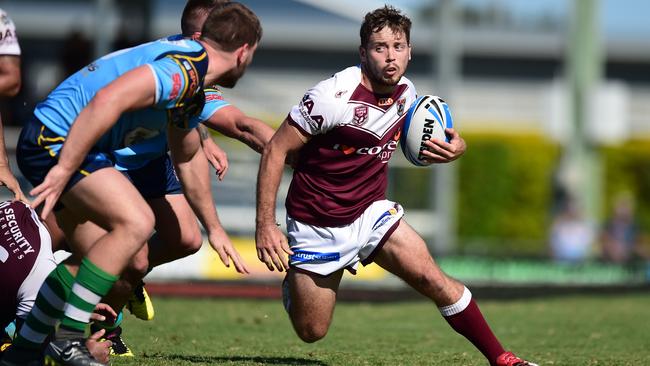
point(577, 330)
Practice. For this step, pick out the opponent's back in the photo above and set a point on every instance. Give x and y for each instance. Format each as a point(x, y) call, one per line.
point(179, 67)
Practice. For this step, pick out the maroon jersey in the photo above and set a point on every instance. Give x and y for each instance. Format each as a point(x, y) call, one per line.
point(20, 245)
point(354, 132)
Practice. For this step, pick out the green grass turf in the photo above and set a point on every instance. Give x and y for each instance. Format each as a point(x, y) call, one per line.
point(578, 330)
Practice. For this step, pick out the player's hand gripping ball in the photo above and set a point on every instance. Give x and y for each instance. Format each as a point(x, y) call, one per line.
point(427, 118)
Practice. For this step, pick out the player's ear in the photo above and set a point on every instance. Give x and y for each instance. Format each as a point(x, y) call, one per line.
point(363, 54)
point(196, 35)
point(410, 52)
point(242, 53)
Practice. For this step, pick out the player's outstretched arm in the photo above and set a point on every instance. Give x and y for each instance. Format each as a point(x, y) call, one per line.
point(444, 152)
point(215, 155)
point(272, 246)
point(232, 122)
point(193, 172)
point(133, 90)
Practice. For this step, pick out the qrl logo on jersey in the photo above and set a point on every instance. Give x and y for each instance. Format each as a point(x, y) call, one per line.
point(360, 115)
point(401, 104)
point(383, 152)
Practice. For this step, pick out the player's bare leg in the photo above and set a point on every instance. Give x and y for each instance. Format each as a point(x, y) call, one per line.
point(177, 236)
point(108, 199)
point(81, 234)
point(177, 231)
point(405, 254)
point(312, 302)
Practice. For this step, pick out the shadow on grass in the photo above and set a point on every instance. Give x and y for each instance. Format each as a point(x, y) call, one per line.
point(235, 359)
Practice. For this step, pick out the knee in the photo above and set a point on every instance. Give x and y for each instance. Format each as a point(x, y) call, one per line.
point(190, 241)
point(138, 267)
point(140, 225)
point(311, 333)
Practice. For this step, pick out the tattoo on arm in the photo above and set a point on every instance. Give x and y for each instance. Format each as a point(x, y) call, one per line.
point(203, 132)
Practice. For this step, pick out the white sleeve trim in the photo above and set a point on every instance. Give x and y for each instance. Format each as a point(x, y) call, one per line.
point(155, 80)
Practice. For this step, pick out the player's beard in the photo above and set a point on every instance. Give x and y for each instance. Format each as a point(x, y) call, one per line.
point(229, 79)
point(376, 76)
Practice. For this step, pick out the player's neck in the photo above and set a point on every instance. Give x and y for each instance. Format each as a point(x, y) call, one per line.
point(219, 62)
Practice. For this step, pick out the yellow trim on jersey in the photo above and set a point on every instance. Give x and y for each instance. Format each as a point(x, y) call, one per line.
point(185, 78)
point(194, 59)
point(42, 138)
point(84, 172)
point(196, 72)
point(176, 57)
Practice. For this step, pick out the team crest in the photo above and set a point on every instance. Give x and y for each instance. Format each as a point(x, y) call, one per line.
point(360, 115)
point(401, 106)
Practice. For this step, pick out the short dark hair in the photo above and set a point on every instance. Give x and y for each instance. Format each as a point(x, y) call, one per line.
point(378, 19)
point(231, 26)
point(196, 10)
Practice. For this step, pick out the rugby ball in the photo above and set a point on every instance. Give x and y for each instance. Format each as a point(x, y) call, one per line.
point(427, 118)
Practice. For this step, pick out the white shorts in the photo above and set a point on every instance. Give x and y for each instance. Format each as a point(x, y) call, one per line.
point(325, 250)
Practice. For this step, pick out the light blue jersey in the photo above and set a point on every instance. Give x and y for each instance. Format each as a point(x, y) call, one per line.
point(137, 155)
point(179, 68)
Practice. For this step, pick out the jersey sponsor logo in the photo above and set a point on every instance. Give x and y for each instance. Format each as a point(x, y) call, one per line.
point(176, 86)
point(384, 218)
point(305, 256)
point(11, 233)
point(213, 96)
point(385, 102)
point(360, 115)
point(194, 81)
point(7, 36)
point(305, 107)
point(193, 77)
point(383, 152)
point(92, 67)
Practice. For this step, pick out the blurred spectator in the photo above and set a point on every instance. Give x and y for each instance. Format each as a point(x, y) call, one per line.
point(77, 52)
point(620, 238)
point(572, 236)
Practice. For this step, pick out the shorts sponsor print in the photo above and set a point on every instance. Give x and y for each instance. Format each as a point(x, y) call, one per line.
point(325, 250)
